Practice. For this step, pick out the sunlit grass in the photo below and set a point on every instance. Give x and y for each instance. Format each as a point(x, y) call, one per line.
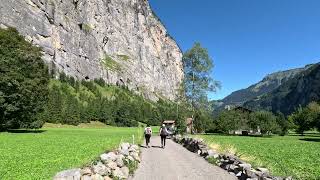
point(289, 155)
point(41, 155)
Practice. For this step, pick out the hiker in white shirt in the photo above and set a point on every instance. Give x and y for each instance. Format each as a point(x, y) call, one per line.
point(147, 135)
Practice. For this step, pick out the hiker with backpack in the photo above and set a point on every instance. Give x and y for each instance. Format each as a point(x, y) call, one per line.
point(147, 135)
point(163, 134)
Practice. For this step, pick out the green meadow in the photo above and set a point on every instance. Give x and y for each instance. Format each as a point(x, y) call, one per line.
point(294, 155)
point(30, 155)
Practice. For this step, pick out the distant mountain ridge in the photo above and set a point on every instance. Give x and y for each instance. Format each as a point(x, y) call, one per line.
point(269, 84)
point(298, 91)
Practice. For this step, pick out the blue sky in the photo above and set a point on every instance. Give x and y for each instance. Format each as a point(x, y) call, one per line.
point(247, 39)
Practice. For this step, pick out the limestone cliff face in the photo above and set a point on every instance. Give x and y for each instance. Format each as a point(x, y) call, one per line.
point(121, 41)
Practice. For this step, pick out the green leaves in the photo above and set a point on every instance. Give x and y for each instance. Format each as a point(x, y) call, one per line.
point(198, 78)
point(306, 118)
point(23, 80)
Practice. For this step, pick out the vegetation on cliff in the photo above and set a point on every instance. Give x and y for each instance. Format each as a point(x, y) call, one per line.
point(74, 102)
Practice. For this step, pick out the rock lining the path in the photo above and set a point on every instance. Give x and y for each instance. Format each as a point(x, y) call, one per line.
point(109, 165)
point(231, 163)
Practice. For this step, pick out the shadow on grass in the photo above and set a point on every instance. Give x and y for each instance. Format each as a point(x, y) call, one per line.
point(306, 135)
point(310, 139)
point(25, 131)
point(237, 135)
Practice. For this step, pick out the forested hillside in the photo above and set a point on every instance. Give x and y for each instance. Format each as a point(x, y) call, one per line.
point(74, 102)
point(267, 85)
point(298, 91)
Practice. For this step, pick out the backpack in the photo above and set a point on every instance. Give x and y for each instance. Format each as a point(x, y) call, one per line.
point(164, 131)
point(148, 131)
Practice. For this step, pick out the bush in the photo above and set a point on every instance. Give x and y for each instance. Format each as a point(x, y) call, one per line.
point(306, 118)
point(265, 120)
point(24, 81)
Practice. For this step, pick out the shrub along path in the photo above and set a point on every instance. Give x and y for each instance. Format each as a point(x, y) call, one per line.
point(175, 162)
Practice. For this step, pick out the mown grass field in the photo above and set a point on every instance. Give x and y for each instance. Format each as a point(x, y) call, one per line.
point(284, 156)
point(41, 155)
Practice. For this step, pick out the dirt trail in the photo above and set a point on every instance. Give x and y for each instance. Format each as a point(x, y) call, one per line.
point(176, 163)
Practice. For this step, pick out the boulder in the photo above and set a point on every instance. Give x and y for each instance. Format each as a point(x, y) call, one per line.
point(119, 160)
point(134, 148)
point(266, 178)
point(112, 165)
point(86, 177)
point(72, 174)
point(125, 146)
point(107, 178)
point(125, 172)
point(239, 174)
point(101, 169)
point(232, 167)
point(97, 177)
point(264, 171)
point(136, 156)
point(111, 156)
point(86, 171)
point(204, 152)
point(251, 173)
point(117, 173)
point(124, 152)
point(277, 178)
point(245, 166)
point(212, 154)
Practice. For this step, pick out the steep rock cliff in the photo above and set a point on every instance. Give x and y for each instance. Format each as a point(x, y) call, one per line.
point(121, 41)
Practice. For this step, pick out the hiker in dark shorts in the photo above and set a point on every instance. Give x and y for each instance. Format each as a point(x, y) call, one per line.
point(163, 134)
point(147, 135)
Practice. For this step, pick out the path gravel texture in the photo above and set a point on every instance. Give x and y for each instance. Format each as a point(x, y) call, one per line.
point(176, 163)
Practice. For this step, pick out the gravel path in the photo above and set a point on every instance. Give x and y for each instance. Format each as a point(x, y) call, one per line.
point(175, 163)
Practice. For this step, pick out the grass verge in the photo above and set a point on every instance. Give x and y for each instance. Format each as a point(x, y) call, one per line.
point(29, 155)
point(284, 156)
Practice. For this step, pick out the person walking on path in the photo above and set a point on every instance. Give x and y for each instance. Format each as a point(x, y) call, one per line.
point(147, 135)
point(163, 134)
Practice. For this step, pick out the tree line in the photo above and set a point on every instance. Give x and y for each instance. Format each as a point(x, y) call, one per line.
point(264, 122)
point(73, 102)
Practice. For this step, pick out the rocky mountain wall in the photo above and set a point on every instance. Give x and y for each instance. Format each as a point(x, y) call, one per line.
point(121, 41)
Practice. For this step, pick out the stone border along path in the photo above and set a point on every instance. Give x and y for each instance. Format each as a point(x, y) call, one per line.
point(110, 165)
point(228, 162)
point(176, 163)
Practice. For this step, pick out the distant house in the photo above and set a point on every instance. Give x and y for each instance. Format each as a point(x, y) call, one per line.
point(189, 122)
